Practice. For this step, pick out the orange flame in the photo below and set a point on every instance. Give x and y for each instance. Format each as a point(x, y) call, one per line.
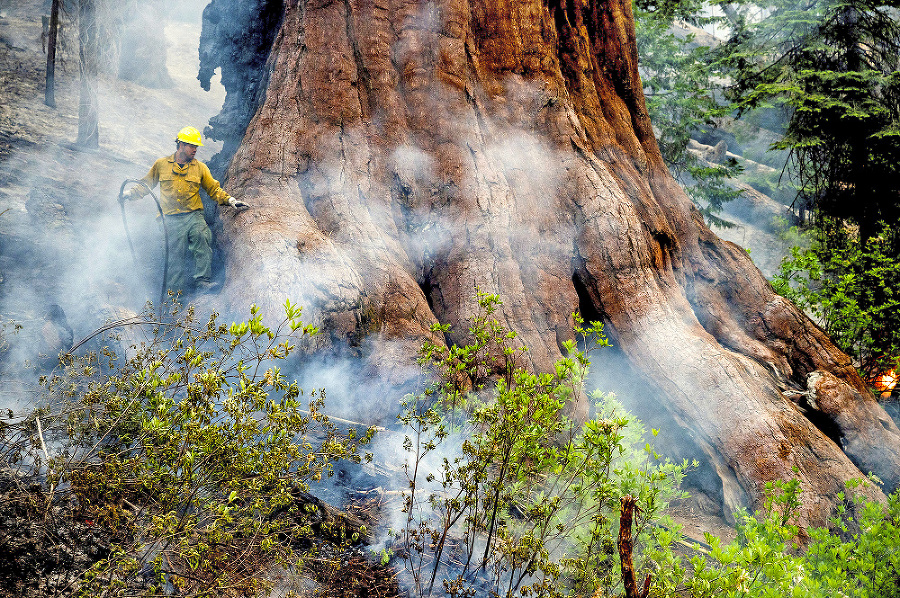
point(887, 382)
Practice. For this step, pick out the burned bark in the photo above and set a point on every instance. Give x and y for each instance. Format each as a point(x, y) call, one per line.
point(50, 81)
point(407, 153)
point(236, 38)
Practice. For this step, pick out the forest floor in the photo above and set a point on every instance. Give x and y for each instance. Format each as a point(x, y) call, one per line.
point(61, 236)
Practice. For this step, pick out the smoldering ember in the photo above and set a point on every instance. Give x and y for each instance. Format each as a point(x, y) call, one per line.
point(445, 197)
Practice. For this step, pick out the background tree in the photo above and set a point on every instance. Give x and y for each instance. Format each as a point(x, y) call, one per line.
point(141, 57)
point(50, 83)
point(88, 66)
point(833, 65)
point(683, 98)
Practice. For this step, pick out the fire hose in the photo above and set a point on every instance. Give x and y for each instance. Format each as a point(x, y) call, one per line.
point(162, 291)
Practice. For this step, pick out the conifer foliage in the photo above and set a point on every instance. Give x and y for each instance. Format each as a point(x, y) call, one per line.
point(832, 64)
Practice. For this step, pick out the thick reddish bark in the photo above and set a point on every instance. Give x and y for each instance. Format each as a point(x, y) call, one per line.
point(405, 153)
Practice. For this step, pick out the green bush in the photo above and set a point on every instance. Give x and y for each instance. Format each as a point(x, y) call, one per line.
point(191, 455)
point(851, 287)
point(522, 500)
point(857, 556)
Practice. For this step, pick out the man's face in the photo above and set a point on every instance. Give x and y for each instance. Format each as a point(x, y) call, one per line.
point(187, 151)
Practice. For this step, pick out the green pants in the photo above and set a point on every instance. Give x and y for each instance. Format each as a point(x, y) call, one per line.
point(188, 233)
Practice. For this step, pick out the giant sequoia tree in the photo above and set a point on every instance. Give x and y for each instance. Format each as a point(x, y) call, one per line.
point(401, 154)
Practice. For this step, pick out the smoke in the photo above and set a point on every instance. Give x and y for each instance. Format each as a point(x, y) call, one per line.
point(78, 258)
point(65, 262)
point(77, 255)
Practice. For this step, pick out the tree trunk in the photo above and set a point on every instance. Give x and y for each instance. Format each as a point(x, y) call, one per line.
point(143, 53)
point(88, 54)
point(403, 154)
point(50, 82)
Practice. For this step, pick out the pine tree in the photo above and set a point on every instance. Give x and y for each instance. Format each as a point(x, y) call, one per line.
point(832, 64)
point(682, 99)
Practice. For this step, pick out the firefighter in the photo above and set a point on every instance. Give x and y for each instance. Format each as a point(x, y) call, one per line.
point(180, 177)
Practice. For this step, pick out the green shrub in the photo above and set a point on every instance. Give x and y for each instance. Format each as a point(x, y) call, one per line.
point(522, 500)
point(852, 288)
point(857, 556)
point(191, 455)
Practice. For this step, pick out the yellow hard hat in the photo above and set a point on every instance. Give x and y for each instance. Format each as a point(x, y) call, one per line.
point(189, 135)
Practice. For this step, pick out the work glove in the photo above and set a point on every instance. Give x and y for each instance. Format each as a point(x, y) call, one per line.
point(136, 192)
point(130, 195)
point(237, 204)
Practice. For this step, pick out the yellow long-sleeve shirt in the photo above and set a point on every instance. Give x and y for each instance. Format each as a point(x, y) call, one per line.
point(179, 186)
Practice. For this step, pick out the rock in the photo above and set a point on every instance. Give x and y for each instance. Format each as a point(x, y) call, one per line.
point(717, 155)
point(56, 333)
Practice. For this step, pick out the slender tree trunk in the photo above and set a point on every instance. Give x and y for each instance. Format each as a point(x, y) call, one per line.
point(88, 103)
point(626, 551)
point(50, 84)
point(142, 58)
point(404, 154)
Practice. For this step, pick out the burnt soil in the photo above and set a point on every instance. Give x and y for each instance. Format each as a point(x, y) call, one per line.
point(44, 545)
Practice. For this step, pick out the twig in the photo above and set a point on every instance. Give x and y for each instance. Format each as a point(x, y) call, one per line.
point(135, 321)
point(40, 432)
point(347, 422)
point(37, 420)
